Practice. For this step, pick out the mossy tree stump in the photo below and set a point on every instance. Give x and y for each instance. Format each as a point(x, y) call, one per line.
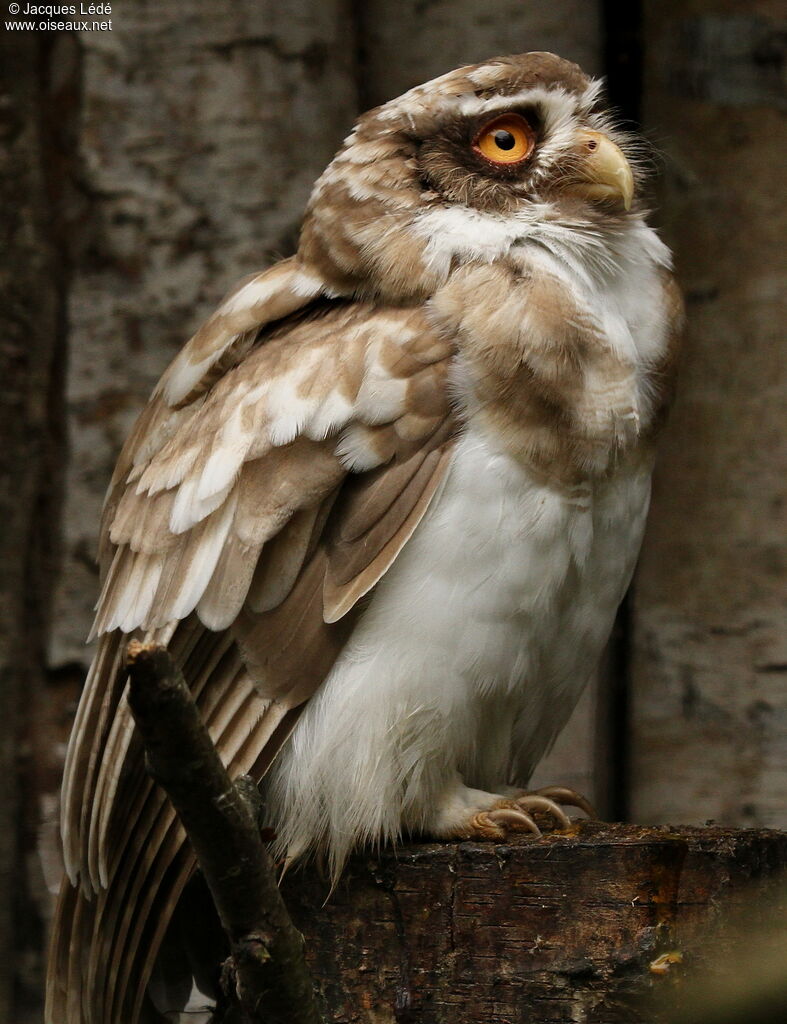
point(577, 927)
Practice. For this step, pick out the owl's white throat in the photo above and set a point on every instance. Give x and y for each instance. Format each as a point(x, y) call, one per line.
point(591, 251)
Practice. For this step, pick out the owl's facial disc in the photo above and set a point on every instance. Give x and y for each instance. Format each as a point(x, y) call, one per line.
point(604, 174)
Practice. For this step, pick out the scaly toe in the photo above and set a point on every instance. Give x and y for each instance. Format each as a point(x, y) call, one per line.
point(481, 826)
point(496, 824)
point(514, 819)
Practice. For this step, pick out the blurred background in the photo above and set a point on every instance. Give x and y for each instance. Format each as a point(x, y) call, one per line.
point(145, 169)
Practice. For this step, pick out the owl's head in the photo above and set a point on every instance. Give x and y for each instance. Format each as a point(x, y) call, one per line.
point(462, 168)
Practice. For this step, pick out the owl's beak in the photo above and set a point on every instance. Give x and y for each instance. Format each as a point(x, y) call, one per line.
point(605, 173)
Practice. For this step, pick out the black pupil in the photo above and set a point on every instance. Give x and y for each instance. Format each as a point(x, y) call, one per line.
point(504, 139)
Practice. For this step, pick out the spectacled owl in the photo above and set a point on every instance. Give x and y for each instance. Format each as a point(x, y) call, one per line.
point(383, 506)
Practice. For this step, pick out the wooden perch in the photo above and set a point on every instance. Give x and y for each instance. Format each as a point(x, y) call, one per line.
point(596, 925)
point(271, 980)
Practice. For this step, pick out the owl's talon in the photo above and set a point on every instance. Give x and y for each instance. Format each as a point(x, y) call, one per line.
point(539, 802)
point(567, 797)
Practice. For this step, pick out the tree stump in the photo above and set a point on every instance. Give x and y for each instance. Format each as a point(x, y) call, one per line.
point(574, 927)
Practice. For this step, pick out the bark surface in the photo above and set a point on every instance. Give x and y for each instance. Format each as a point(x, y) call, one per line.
point(588, 926)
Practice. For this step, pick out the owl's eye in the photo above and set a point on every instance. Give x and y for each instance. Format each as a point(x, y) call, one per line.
point(506, 140)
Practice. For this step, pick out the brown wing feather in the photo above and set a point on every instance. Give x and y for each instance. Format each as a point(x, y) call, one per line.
point(378, 520)
point(223, 512)
point(91, 726)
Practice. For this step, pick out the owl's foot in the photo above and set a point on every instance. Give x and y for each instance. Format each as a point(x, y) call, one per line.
point(474, 814)
point(543, 803)
point(497, 823)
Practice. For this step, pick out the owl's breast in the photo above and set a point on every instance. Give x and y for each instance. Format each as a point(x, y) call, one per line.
point(509, 569)
point(498, 607)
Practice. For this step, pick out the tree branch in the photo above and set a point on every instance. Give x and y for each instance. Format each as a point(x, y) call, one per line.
point(272, 981)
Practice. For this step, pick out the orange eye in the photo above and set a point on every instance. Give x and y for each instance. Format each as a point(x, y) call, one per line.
point(506, 140)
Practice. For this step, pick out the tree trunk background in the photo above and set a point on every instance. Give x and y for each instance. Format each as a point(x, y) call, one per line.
point(709, 667)
point(32, 348)
point(148, 168)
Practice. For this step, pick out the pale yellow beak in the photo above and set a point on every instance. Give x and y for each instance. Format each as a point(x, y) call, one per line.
point(604, 171)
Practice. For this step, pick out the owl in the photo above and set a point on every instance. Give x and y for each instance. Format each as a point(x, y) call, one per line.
point(383, 506)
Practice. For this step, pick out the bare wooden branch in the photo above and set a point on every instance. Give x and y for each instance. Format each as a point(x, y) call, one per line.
point(271, 980)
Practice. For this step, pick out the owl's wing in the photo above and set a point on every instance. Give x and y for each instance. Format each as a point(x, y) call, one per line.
point(284, 460)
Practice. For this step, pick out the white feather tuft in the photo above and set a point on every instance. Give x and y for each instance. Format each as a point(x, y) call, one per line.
point(355, 450)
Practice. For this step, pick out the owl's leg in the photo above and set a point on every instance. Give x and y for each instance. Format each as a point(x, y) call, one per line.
point(465, 813)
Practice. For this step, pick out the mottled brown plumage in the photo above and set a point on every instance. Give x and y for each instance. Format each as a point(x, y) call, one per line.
point(409, 463)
